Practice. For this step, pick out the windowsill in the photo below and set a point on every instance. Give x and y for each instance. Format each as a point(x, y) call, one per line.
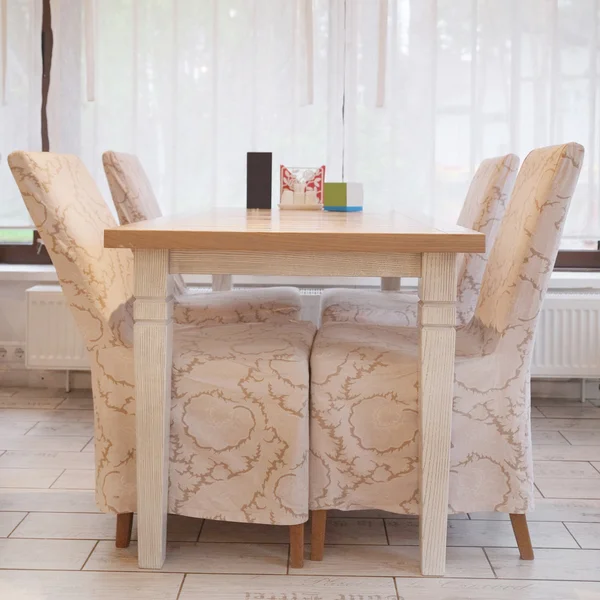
point(41, 273)
point(561, 280)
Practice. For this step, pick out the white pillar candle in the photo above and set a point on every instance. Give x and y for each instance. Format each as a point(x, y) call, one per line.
point(310, 197)
point(298, 193)
point(287, 197)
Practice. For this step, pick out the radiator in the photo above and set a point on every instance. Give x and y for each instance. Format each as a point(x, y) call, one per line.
point(568, 336)
point(53, 340)
point(567, 342)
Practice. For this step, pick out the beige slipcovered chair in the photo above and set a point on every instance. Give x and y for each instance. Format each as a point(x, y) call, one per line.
point(239, 414)
point(135, 201)
point(482, 210)
point(364, 379)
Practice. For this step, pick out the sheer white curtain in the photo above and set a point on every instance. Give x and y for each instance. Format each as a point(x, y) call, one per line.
point(191, 86)
point(20, 96)
point(464, 80)
point(408, 96)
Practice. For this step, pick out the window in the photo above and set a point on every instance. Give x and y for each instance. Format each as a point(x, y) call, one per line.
point(20, 123)
point(407, 96)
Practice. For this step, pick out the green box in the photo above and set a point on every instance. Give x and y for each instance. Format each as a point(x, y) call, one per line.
point(343, 197)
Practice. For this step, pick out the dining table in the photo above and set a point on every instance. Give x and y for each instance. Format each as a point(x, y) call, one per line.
point(237, 241)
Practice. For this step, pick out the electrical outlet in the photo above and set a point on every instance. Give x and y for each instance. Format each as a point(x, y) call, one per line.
point(12, 354)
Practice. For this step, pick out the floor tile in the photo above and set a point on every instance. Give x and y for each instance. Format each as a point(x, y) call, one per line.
point(569, 488)
point(566, 565)
point(565, 424)
point(582, 411)
point(97, 526)
point(364, 514)
point(221, 531)
point(28, 478)
point(34, 392)
point(79, 393)
point(35, 415)
point(69, 428)
point(471, 589)
point(67, 526)
point(278, 587)
point(484, 533)
point(536, 413)
point(580, 511)
point(81, 585)
point(17, 402)
point(586, 534)
point(556, 401)
point(89, 447)
point(76, 501)
point(355, 531)
point(78, 479)
point(583, 438)
point(85, 402)
point(43, 444)
point(548, 437)
point(15, 427)
point(268, 559)
point(47, 460)
point(390, 561)
point(564, 470)
point(8, 522)
point(44, 554)
point(378, 514)
point(563, 452)
point(339, 531)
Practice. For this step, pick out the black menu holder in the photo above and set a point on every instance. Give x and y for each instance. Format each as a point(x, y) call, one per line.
point(259, 176)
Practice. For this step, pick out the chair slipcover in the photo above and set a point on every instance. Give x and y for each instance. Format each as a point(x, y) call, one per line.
point(239, 415)
point(364, 378)
point(482, 210)
point(135, 201)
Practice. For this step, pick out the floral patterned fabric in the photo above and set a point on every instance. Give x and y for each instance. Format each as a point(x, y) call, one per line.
point(364, 377)
point(482, 210)
point(135, 201)
point(239, 415)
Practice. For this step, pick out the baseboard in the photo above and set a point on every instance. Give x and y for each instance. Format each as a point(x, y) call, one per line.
point(44, 379)
point(564, 388)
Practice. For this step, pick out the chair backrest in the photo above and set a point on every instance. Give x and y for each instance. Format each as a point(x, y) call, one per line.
point(132, 194)
point(521, 261)
point(482, 211)
point(130, 188)
point(70, 215)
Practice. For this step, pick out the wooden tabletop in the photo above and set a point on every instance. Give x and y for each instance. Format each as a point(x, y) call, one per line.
point(275, 230)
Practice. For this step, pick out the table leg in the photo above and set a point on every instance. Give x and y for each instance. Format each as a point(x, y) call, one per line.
point(437, 320)
point(222, 283)
point(153, 335)
point(390, 284)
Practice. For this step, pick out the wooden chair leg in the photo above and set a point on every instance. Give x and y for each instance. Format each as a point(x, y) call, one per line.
point(519, 525)
point(124, 525)
point(317, 534)
point(297, 546)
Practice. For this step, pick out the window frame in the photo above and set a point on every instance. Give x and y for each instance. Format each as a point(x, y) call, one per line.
point(36, 253)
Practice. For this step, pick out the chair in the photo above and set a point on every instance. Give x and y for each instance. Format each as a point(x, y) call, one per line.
point(135, 201)
point(482, 210)
point(239, 415)
point(364, 379)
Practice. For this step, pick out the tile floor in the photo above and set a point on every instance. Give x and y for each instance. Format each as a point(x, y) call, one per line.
point(54, 545)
